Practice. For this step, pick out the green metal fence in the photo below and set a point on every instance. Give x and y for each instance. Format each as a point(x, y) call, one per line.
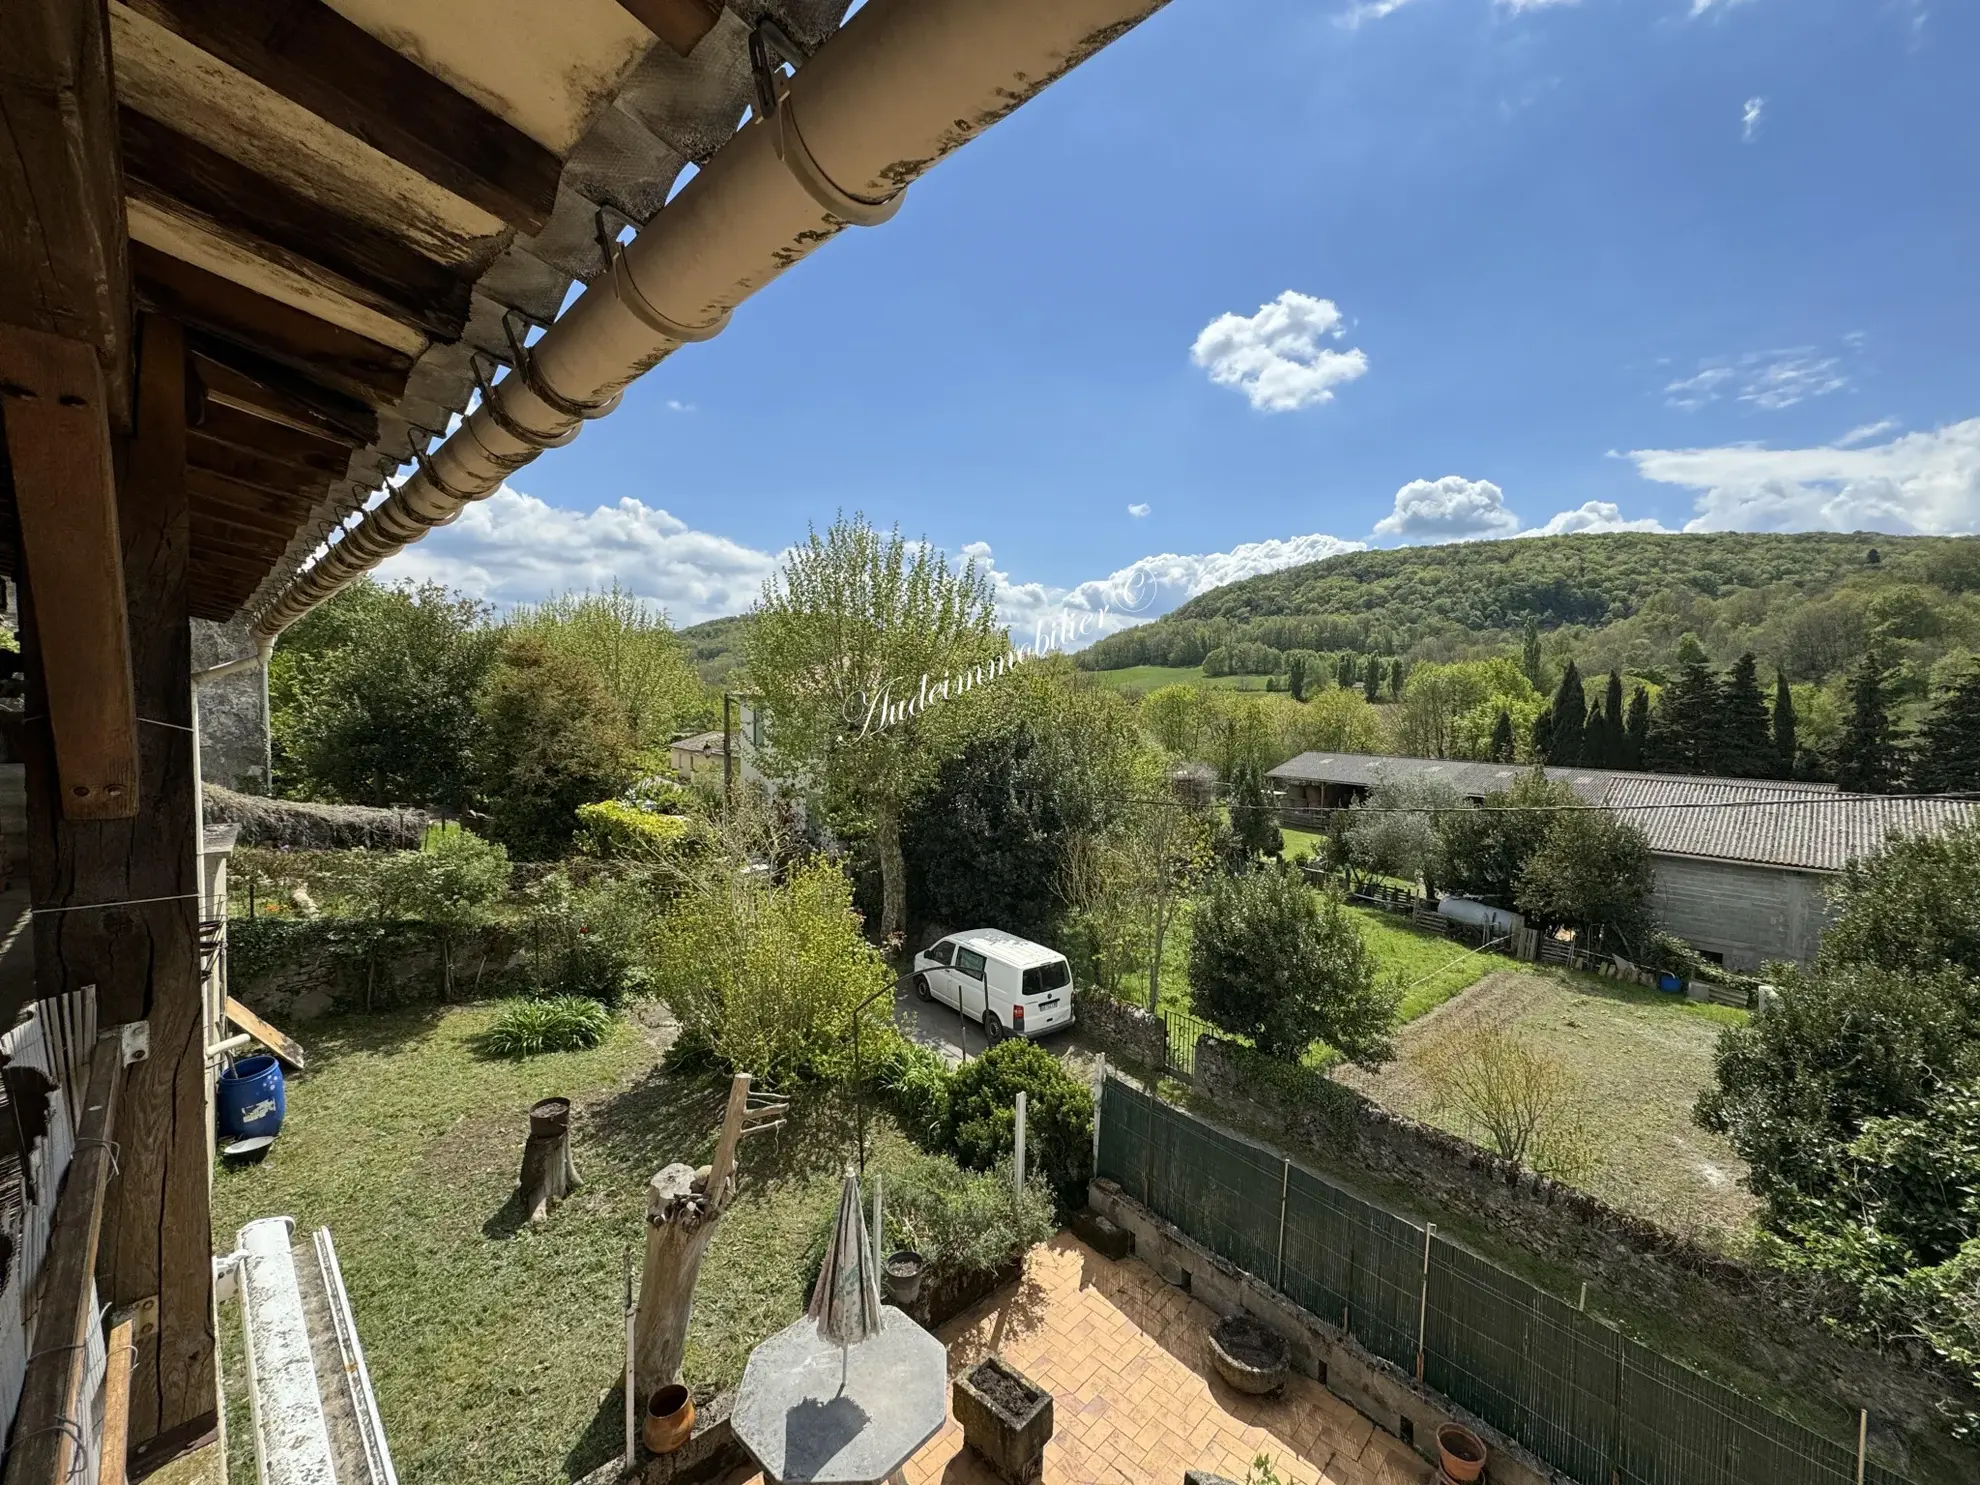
point(1569, 1387)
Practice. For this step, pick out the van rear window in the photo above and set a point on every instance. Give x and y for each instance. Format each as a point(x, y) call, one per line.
point(1047, 977)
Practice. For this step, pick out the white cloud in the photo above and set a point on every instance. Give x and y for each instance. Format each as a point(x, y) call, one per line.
point(1592, 516)
point(1368, 10)
point(1145, 589)
point(1138, 511)
point(1770, 380)
point(1699, 7)
point(513, 548)
point(1275, 357)
point(1867, 432)
point(1519, 5)
point(1449, 509)
point(1924, 483)
point(1749, 118)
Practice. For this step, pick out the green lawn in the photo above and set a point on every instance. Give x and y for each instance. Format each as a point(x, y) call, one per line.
point(497, 1350)
point(1140, 678)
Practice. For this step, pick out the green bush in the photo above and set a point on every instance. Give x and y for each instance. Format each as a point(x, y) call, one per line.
point(915, 1080)
point(981, 1127)
point(615, 829)
point(563, 1023)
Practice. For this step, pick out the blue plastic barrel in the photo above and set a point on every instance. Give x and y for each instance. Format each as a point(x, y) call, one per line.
point(250, 1100)
point(1669, 983)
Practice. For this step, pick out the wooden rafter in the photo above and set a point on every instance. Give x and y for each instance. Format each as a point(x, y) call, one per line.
point(234, 426)
point(62, 265)
point(327, 353)
point(340, 72)
point(182, 177)
point(679, 23)
point(279, 393)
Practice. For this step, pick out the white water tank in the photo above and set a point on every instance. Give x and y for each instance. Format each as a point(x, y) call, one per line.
point(1501, 921)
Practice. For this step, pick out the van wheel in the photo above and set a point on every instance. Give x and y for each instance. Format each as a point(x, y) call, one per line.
point(993, 1029)
point(921, 990)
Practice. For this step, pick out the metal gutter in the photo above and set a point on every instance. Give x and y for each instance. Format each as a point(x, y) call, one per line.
point(900, 86)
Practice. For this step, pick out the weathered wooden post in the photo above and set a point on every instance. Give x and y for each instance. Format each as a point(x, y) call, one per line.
point(547, 1171)
point(682, 1207)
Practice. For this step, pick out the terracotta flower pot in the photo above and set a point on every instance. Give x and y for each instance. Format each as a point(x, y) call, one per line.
point(1461, 1452)
point(669, 1418)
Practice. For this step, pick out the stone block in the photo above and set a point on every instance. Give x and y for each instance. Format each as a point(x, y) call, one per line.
point(1102, 1234)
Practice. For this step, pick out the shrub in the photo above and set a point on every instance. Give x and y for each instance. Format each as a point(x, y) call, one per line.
point(555, 740)
point(1272, 960)
point(961, 1222)
point(615, 829)
point(915, 1080)
point(1593, 872)
point(981, 1127)
point(563, 1023)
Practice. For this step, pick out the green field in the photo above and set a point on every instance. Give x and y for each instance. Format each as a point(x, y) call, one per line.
point(1143, 678)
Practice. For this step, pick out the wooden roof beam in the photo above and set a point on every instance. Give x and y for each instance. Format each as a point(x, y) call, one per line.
point(62, 264)
point(340, 72)
point(181, 177)
point(323, 352)
point(240, 378)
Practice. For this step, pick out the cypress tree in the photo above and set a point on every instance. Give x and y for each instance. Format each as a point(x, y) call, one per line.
point(1529, 658)
point(1636, 732)
point(1949, 742)
point(1543, 734)
point(1746, 751)
point(1502, 738)
point(1296, 677)
point(1685, 738)
point(1570, 710)
point(1595, 739)
point(1344, 669)
point(1396, 674)
point(1371, 683)
point(1615, 745)
point(1867, 757)
point(1784, 741)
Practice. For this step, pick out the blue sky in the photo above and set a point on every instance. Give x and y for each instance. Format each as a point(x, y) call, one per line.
point(1291, 276)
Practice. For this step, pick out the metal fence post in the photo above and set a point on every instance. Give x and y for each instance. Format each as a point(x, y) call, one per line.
point(1423, 1298)
point(1099, 1102)
point(1019, 1166)
point(1285, 1184)
point(1862, 1438)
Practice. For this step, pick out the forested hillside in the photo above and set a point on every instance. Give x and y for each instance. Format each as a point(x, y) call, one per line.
point(1807, 603)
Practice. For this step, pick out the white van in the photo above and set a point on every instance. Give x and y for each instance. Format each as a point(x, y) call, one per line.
point(1011, 985)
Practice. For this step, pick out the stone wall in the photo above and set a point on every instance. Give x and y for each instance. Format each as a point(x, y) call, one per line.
point(313, 969)
point(233, 710)
point(1624, 1257)
point(1126, 1030)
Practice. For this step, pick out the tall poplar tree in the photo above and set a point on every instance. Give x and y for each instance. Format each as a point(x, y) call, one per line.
point(1570, 708)
point(1868, 760)
point(1371, 683)
point(1529, 657)
point(1746, 749)
point(1949, 742)
point(1786, 750)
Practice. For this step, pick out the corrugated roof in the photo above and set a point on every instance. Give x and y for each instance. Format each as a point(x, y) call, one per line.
point(1809, 827)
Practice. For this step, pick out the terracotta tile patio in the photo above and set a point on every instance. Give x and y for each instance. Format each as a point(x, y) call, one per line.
point(1135, 1402)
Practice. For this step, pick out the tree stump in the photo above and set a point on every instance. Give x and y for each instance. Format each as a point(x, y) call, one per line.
point(547, 1172)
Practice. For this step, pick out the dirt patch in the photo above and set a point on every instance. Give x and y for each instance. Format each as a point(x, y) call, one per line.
point(1639, 1061)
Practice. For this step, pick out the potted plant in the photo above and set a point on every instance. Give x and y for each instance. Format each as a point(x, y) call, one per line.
point(669, 1418)
point(1005, 1418)
point(1249, 1355)
point(1461, 1452)
point(903, 1275)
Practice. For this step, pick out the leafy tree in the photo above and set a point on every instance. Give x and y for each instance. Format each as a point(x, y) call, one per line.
point(1254, 819)
point(1948, 760)
point(555, 740)
point(1636, 731)
point(1911, 906)
point(1344, 670)
point(764, 973)
point(1339, 721)
point(1180, 718)
point(854, 625)
point(1398, 673)
point(1296, 677)
point(1371, 681)
point(1867, 758)
point(1483, 852)
point(1275, 961)
point(1502, 738)
point(981, 1126)
point(1746, 749)
point(1393, 833)
point(1529, 657)
point(1685, 736)
point(372, 697)
point(452, 882)
point(1592, 871)
point(1569, 711)
point(1783, 732)
point(628, 645)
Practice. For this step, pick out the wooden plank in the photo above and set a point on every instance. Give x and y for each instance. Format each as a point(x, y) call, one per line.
point(270, 390)
point(182, 176)
point(119, 1349)
point(44, 1450)
point(328, 353)
point(225, 423)
point(287, 1051)
point(62, 262)
point(255, 468)
point(340, 72)
point(679, 23)
point(58, 443)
